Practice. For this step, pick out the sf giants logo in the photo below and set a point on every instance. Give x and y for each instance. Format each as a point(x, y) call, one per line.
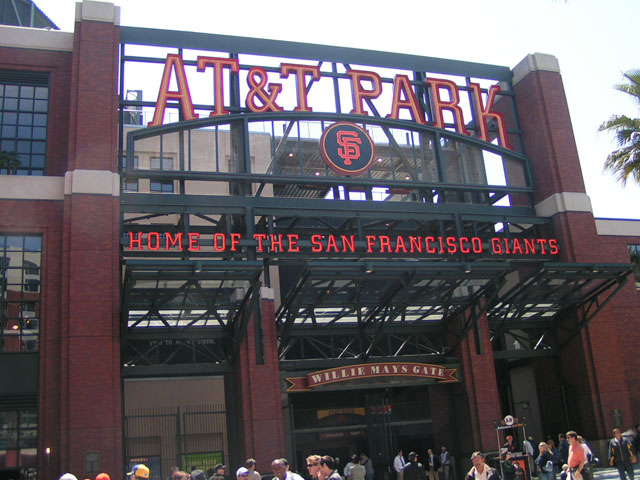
point(347, 148)
point(350, 145)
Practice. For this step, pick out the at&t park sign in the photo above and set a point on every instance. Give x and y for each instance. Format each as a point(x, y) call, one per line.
point(263, 94)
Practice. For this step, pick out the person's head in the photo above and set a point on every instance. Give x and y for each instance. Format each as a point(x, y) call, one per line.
point(363, 456)
point(197, 474)
point(219, 469)
point(572, 437)
point(477, 458)
point(327, 464)
point(430, 452)
point(543, 447)
point(286, 463)
point(313, 465)
point(565, 467)
point(562, 436)
point(413, 457)
point(139, 471)
point(242, 473)
point(279, 469)
point(355, 459)
point(506, 455)
point(400, 453)
point(530, 438)
point(250, 464)
point(68, 476)
point(617, 434)
point(103, 476)
point(444, 449)
point(509, 439)
point(551, 444)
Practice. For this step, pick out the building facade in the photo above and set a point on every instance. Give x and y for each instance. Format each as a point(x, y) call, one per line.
point(215, 248)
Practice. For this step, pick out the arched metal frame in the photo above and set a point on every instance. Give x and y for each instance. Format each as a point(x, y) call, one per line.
point(185, 309)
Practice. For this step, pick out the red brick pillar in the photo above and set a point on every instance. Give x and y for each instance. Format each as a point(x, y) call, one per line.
point(257, 392)
point(90, 349)
point(479, 379)
point(593, 387)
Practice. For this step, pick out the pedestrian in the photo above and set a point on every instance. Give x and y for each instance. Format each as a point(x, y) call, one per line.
point(544, 462)
point(577, 458)
point(196, 474)
point(414, 470)
point(218, 472)
point(68, 476)
point(565, 472)
point(445, 463)
point(527, 446)
point(347, 468)
point(508, 468)
point(398, 464)
point(557, 460)
point(621, 455)
point(243, 473)
point(368, 466)
point(433, 465)
point(480, 470)
point(280, 470)
point(563, 447)
point(358, 471)
point(139, 471)
point(328, 468)
point(250, 464)
point(510, 445)
point(313, 465)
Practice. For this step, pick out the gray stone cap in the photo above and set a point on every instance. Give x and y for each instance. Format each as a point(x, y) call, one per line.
point(98, 12)
point(535, 62)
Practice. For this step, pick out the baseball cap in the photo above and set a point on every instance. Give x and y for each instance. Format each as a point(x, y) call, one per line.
point(242, 471)
point(197, 475)
point(140, 471)
point(68, 476)
point(477, 454)
point(103, 476)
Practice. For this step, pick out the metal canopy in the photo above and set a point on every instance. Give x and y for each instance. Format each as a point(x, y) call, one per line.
point(186, 312)
point(535, 316)
point(342, 310)
point(351, 311)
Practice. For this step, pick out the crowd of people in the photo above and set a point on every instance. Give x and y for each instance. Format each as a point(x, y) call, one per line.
point(572, 459)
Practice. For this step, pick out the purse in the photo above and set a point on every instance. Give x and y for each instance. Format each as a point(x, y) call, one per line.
point(548, 467)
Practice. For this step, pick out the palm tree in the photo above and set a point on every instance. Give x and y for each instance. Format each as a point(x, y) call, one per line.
point(625, 161)
point(9, 160)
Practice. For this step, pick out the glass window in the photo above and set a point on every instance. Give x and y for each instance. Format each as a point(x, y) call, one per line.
point(634, 253)
point(162, 187)
point(18, 435)
point(24, 103)
point(164, 163)
point(20, 272)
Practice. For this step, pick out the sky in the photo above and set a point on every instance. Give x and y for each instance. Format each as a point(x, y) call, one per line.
point(595, 41)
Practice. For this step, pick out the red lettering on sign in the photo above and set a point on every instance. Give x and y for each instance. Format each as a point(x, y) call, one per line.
point(484, 112)
point(268, 100)
point(359, 93)
point(218, 65)
point(438, 104)
point(173, 63)
point(301, 72)
point(402, 88)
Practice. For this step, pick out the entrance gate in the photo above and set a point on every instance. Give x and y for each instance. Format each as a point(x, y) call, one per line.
point(165, 437)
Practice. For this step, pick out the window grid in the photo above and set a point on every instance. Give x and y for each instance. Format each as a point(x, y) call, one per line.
point(23, 126)
point(19, 434)
point(20, 275)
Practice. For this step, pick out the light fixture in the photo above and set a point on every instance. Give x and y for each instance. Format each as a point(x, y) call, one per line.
point(15, 327)
point(290, 154)
point(595, 268)
point(197, 267)
point(368, 267)
point(317, 174)
point(467, 268)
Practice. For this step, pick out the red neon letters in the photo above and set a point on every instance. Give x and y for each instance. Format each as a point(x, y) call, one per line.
point(444, 95)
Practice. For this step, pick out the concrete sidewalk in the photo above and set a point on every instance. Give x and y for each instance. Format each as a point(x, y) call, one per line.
point(610, 473)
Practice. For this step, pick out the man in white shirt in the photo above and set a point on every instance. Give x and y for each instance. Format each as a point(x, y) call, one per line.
point(480, 470)
point(398, 465)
